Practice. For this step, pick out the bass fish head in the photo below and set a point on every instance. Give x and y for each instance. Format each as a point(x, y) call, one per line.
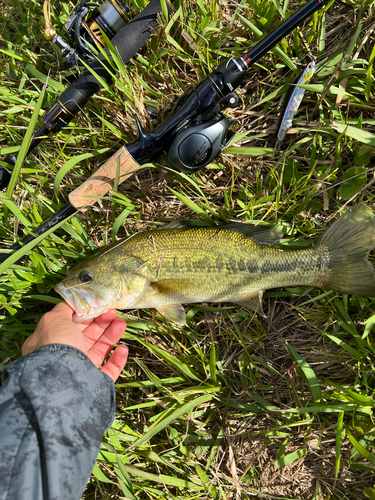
point(104, 282)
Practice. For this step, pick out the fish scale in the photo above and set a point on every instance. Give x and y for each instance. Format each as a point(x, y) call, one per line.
point(166, 268)
point(181, 253)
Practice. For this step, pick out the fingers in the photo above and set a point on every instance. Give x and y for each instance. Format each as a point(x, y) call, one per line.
point(93, 329)
point(103, 345)
point(116, 362)
point(98, 338)
point(55, 327)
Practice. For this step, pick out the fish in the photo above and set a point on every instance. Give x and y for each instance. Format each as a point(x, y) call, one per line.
point(237, 262)
point(293, 103)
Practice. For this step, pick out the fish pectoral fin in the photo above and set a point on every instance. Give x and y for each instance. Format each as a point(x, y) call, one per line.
point(174, 313)
point(253, 302)
point(171, 285)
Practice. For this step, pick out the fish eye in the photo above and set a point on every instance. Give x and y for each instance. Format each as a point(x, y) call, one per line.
point(85, 276)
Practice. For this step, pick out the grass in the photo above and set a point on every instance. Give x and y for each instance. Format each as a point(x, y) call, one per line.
point(232, 405)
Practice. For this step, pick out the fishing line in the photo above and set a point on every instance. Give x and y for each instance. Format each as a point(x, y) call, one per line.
point(195, 133)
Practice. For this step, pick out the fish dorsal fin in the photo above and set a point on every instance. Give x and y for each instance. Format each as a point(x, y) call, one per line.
point(263, 235)
point(178, 224)
point(253, 302)
point(175, 224)
point(174, 313)
point(186, 224)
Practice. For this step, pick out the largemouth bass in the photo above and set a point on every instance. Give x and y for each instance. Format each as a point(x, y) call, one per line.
point(167, 267)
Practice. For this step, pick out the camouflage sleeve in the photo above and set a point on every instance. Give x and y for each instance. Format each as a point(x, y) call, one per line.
point(54, 407)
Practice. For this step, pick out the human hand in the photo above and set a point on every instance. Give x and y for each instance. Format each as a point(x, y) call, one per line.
point(96, 338)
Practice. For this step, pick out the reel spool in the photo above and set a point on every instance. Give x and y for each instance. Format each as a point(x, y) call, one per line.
point(109, 18)
point(85, 26)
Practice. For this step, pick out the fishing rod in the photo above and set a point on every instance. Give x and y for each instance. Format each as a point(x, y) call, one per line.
point(192, 135)
point(127, 42)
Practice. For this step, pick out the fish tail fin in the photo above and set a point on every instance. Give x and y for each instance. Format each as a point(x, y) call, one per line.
point(349, 241)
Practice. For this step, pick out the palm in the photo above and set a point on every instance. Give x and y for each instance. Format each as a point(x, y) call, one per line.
point(96, 338)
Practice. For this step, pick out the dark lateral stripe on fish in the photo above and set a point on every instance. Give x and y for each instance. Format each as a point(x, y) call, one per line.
point(248, 266)
point(164, 269)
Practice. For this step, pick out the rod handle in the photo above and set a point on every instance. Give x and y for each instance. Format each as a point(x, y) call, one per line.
point(121, 164)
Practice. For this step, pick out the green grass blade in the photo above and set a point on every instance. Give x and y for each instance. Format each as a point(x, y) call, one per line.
point(308, 373)
point(162, 478)
point(25, 144)
point(191, 204)
point(174, 415)
point(365, 453)
point(353, 352)
point(355, 133)
point(369, 76)
point(285, 460)
point(340, 436)
point(15, 256)
point(249, 151)
point(72, 163)
point(171, 360)
point(15, 209)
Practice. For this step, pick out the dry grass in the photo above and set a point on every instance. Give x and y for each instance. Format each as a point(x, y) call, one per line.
point(231, 446)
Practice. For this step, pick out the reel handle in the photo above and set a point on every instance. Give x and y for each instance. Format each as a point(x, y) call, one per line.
point(127, 42)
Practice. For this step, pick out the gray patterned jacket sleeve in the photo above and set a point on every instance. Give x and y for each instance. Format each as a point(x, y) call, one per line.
point(54, 407)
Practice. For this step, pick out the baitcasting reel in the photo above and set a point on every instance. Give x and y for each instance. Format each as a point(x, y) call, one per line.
point(84, 26)
point(199, 143)
point(196, 131)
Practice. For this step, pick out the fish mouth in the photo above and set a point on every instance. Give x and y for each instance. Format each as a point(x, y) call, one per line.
point(82, 302)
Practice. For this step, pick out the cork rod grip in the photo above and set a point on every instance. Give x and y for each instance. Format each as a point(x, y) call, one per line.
point(103, 179)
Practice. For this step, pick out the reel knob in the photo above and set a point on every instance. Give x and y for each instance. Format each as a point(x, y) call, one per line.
point(229, 101)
